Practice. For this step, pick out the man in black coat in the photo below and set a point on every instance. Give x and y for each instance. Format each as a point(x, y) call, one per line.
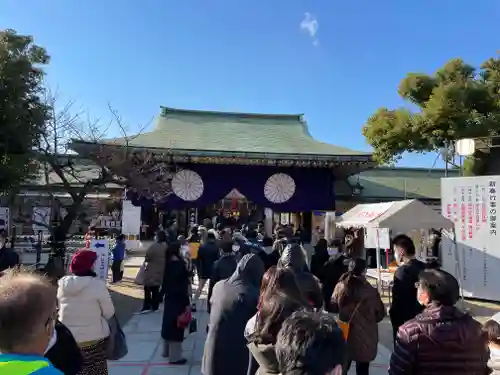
point(405, 305)
point(224, 267)
point(8, 257)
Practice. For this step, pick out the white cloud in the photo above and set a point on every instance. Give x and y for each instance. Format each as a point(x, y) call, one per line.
point(310, 26)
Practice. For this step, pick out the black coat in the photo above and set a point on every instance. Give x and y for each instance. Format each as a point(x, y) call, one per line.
point(207, 256)
point(223, 269)
point(234, 301)
point(175, 286)
point(334, 268)
point(294, 258)
point(8, 259)
point(404, 304)
point(65, 355)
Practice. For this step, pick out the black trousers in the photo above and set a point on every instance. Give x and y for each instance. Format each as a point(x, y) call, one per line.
point(151, 298)
point(362, 368)
point(116, 270)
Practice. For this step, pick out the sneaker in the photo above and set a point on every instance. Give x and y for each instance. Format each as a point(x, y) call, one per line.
point(143, 311)
point(182, 361)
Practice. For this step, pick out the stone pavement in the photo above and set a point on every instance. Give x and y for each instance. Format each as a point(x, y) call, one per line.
point(144, 344)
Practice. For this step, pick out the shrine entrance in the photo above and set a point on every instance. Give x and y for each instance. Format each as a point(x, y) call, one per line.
point(233, 211)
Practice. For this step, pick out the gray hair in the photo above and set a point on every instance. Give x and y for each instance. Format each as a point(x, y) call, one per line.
point(26, 304)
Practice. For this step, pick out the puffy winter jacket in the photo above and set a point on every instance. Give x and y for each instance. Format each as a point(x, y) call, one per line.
point(440, 340)
point(84, 307)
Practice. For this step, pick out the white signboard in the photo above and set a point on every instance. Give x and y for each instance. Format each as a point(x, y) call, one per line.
point(4, 218)
point(41, 215)
point(101, 248)
point(371, 241)
point(131, 218)
point(471, 203)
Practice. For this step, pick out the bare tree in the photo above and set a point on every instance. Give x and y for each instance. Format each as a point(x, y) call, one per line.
point(61, 169)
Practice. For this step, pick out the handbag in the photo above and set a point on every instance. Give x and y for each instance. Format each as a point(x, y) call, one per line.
point(345, 326)
point(193, 326)
point(140, 277)
point(184, 319)
point(117, 343)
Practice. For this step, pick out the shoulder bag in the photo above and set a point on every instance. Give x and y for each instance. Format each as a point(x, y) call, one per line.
point(345, 326)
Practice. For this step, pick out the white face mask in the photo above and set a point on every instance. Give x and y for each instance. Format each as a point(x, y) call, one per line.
point(52, 341)
point(185, 250)
point(236, 248)
point(333, 251)
point(494, 353)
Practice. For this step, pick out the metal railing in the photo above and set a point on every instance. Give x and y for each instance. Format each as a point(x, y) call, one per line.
point(34, 251)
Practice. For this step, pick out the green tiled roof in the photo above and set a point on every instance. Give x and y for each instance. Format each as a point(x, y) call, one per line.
point(401, 183)
point(234, 132)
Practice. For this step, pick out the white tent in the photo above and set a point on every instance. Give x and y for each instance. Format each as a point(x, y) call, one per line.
point(399, 216)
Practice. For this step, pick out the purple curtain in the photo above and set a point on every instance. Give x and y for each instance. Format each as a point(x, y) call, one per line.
point(313, 187)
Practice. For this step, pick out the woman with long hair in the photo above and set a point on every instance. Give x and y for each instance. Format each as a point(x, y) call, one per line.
point(280, 299)
point(176, 288)
point(268, 279)
point(360, 307)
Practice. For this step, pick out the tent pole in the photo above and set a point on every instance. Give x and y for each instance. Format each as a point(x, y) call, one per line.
point(379, 271)
point(459, 273)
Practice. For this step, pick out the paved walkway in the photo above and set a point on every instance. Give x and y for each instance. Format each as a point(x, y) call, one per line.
point(144, 358)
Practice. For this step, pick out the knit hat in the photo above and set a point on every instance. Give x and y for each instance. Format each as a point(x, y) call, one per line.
point(83, 261)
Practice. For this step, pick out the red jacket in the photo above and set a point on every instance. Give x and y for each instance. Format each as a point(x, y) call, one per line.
point(441, 340)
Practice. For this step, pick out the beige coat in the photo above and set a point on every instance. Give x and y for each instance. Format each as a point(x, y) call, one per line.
point(155, 264)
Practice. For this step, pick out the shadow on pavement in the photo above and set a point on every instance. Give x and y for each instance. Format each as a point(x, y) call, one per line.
point(127, 298)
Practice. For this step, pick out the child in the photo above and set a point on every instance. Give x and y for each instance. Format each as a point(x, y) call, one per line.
point(492, 330)
point(118, 258)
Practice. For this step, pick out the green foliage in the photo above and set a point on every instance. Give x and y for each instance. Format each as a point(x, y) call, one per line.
point(455, 102)
point(22, 112)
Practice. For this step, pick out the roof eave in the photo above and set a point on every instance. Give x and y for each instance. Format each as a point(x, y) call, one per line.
point(237, 154)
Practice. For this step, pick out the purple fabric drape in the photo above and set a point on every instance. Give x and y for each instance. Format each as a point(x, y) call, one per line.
point(313, 187)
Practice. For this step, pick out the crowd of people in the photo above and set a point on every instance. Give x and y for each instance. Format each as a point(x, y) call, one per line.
point(273, 310)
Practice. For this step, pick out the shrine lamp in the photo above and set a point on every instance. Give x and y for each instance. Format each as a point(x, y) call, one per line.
point(465, 147)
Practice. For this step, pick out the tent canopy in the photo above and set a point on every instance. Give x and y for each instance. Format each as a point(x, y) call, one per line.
point(399, 216)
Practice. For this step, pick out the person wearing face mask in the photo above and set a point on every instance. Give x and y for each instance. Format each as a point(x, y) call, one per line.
point(404, 304)
point(442, 339)
point(334, 268)
point(28, 312)
point(8, 257)
point(85, 306)
point(491, 329)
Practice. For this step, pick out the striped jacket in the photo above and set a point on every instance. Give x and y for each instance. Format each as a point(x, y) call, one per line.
point(12, 364)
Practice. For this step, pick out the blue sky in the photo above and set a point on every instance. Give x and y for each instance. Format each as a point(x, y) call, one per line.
point(252, 56)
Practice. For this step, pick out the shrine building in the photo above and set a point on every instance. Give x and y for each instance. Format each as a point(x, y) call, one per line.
point(238, 167)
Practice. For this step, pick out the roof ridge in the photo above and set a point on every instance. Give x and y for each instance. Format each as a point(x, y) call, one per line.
point(278, 116)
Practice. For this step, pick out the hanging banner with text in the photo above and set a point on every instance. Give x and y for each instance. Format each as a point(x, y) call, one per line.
point(471, 203)
point(363, 214)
